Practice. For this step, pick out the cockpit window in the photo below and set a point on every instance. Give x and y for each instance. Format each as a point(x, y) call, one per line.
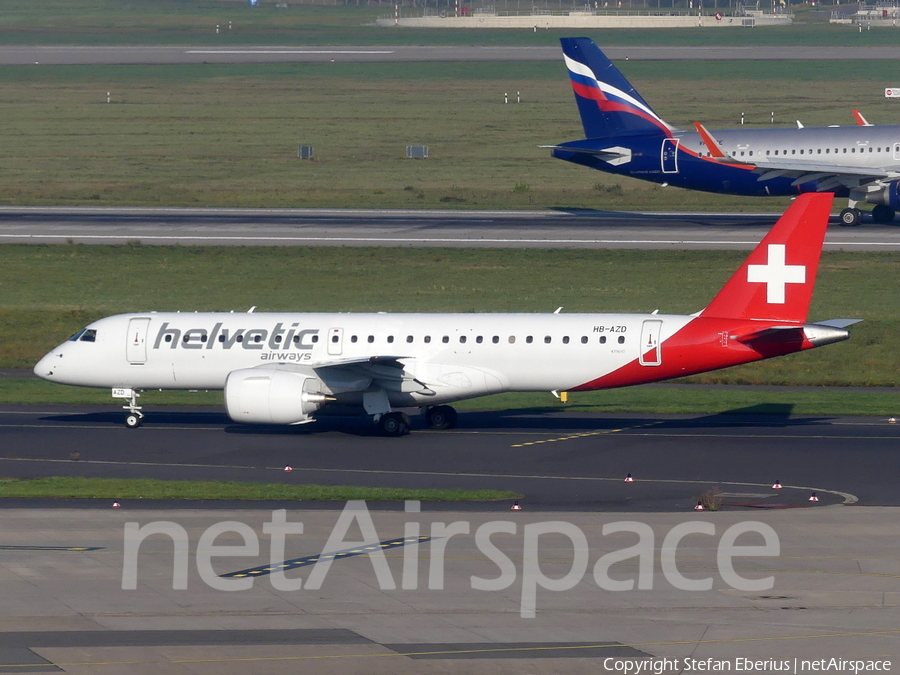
point(77, 335)
point(88, 335)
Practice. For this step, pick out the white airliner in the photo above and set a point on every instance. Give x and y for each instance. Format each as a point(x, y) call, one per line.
point(283, 368)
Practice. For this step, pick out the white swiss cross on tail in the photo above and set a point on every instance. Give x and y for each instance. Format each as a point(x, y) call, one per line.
point(776, 275)
point(766, 286)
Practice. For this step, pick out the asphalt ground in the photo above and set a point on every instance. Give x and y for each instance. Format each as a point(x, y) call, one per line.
point(831, 590)
point(556, 460)
point(96, 55)
point(459, 229)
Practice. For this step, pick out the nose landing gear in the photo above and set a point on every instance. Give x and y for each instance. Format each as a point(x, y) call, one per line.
point(135, 417)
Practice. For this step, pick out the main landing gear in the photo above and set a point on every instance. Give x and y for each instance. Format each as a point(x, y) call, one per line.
point(881, 213)
point(850, 217)
point(398, 423)
point(440, 417)
point(394, 424)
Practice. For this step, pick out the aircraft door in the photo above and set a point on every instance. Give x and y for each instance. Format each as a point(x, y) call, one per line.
point(651, 353)
point(136, 341)
point(335, 341)
point(669, 158)
point(897, 151)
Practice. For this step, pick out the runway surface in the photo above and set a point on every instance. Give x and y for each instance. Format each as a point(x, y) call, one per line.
point(556, 460)
point(169, 55)
point(349, 227)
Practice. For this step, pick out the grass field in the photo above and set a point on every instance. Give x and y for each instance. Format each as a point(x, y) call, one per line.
point(99, 22)
point(225, 135)
point(49, 292)
point(145, 488)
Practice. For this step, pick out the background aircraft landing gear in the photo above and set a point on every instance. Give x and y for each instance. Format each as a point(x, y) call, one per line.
point(850, 217)
point(133, 420)
point(440, 417)
point(395, 424)
point(882, 213)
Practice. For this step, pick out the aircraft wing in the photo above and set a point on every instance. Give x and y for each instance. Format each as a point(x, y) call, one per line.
point(359, 374)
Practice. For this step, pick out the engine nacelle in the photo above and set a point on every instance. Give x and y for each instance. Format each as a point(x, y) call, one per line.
point(269, 396)
point(888, 196)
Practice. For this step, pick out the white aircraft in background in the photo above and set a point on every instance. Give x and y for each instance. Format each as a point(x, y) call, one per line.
point(284, 368)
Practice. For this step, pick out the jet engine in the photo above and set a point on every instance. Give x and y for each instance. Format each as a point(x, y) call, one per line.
point(889, 195)
point(270, 396)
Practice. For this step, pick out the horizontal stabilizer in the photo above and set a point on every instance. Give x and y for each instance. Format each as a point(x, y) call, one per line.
point(838, 323)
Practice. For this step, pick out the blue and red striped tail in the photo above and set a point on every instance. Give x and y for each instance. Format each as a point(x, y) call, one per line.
point(608, 104)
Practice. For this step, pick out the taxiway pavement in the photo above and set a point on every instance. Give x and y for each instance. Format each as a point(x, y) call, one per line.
point(556, 460)
point(49, 55)
point(831, 590)
point(414, 228)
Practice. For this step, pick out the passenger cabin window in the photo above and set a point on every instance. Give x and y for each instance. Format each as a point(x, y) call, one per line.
point(512, 339)
point(334, 338)
point(390, 338)
point(565, 339)
point(584, 339)
point(427, 339)
point(409, 338)
point(602, 339)
point(479, 339)
point(621, 339)
point(352, 338)
point(369, 339)
point(495, 339)
point(462, 339)
point(547, 339)
point(89, 335)
point(445, 339)
point(315, 338)
point(529, 339)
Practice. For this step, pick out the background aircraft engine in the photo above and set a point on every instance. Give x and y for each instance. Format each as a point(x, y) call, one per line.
point(889, 196)
point(264, 396)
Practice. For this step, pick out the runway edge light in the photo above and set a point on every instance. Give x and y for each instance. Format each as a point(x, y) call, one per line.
point(516, 507)
point(813, 497)
point(629, 479)
point(777, 485)
point(288, 469)
point(699, 507)
point(116, 505)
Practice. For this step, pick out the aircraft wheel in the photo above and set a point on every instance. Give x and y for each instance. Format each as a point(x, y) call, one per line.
point(882, 214)
point(850, 217)
point(395, 424)
point(440, 417)
point(133, 421)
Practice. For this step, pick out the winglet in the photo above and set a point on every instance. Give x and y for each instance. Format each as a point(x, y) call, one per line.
point(714, 148)
point(860, 120)
point(776, 281)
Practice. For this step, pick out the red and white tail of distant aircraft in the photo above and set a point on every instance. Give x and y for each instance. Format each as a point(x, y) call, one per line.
point(285, 368)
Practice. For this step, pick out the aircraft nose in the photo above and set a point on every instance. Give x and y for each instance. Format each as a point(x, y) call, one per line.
point(46, 367)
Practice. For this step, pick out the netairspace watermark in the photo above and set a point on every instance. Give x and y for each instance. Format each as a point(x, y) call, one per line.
point(739, 664)
point(526, 538)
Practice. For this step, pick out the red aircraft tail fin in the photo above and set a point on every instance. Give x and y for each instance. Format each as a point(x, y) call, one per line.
point(776, 281)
